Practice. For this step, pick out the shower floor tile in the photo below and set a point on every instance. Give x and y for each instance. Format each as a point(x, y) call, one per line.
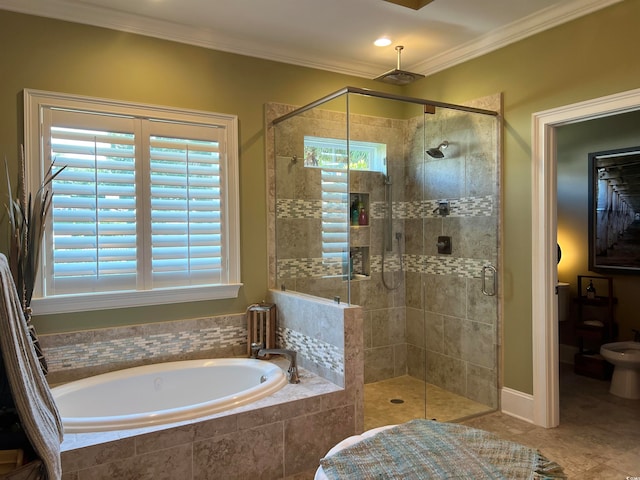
point(382, 404)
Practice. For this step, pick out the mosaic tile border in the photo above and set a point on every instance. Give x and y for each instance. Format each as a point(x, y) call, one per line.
point(98, 348)
point(309, 267)
point(441, 265)
point(319, 352)
point(458, 207)
point(95, 352)
point(437, 265)
point(295, 208)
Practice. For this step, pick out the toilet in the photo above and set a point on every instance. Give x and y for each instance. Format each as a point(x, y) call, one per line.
point(625, 356)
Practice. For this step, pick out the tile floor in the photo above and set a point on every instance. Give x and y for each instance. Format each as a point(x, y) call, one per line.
point(598, 435)
point(382, 403)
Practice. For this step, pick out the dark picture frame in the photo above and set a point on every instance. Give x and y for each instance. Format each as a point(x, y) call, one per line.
point(614, 211)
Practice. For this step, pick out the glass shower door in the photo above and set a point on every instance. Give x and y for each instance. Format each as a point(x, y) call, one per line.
point(416, 263)
point(458, 275)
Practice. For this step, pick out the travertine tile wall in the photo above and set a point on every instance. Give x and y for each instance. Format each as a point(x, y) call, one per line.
point(296, 229)
point(449, 320)
point(333, 328)
point(269, 441)
point(73, 355)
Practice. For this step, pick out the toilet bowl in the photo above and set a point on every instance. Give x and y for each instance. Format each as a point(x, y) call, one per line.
point(625, 356)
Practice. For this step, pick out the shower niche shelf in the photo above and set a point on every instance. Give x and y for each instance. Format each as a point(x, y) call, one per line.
point(359, 201)
point(359, 258)
point(359, 235)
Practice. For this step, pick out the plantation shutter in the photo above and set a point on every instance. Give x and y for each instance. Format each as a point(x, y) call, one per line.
point(138, 206)
point(186, 211)
point(94, 212)
point(335, 225)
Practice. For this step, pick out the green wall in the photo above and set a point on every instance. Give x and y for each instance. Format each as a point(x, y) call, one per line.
point(574, 143)
point(587, 58)
point(57, 56)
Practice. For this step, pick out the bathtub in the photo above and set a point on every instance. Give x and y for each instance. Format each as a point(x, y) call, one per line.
point(164, 393)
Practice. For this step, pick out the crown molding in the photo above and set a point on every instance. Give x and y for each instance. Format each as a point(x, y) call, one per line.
point(514, 32)
point(201, 37)
point(207, 38)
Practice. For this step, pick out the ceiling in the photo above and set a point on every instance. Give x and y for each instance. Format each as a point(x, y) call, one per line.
point(333, 35)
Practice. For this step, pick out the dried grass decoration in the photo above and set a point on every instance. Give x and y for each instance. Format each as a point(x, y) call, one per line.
point(27, 219)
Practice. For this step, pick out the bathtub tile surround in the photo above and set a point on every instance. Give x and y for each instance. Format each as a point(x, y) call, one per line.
point(74, 355)
point(280, 436)
point(332, 340)
point(227, 454)
point(325, 356)
point(271, 442)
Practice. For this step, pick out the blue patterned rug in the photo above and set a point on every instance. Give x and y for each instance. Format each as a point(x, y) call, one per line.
point(425, 449)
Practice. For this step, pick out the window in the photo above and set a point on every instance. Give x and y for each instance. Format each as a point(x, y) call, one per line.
point(145, 211)
point(330, 155)
point(335, 228)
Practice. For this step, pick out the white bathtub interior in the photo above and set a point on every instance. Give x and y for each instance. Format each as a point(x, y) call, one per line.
point(164, 393)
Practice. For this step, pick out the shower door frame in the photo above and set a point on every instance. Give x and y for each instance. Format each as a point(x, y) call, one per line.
point(429, 105)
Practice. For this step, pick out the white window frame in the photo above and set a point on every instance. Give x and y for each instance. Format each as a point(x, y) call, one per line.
point(35, 101)
point(377, 152)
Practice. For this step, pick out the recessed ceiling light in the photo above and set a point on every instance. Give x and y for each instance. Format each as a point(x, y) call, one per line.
point(382, 42)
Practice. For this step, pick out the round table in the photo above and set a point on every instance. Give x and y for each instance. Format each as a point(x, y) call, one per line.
point(320, 475)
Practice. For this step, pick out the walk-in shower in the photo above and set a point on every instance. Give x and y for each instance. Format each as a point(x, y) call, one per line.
point(358, 219)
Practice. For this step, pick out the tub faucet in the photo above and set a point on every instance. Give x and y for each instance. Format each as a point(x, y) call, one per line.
point(292, 371)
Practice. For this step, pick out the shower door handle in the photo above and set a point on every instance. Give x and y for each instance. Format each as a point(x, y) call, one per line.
point(494, 280)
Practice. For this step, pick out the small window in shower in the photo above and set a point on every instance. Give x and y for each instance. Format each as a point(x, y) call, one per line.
point(330, 156)
point(332, 153)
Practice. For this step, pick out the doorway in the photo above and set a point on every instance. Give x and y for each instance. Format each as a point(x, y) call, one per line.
point(546, 403)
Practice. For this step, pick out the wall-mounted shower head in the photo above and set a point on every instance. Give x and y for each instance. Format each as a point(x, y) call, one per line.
point(437, 151)
point(397, 76)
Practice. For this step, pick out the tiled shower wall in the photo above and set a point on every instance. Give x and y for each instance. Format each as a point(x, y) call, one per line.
point(434, 308)
point(75, 355)
point(297, 228)
point(448, 318)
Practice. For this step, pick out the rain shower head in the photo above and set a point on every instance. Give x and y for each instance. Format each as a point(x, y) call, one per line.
point(397, 76)
point(437, 151)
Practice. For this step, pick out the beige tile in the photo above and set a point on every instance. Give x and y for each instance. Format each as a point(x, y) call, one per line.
point(381, 407)
point(160, 465)
point(596, 438)
point(308, 438)
point(240, 456)
point(597, 435)
point(98, 454)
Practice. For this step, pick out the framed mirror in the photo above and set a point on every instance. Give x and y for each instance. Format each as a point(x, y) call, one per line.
point(614, 211)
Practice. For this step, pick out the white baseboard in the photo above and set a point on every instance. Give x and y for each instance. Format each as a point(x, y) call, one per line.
point(517, 404)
